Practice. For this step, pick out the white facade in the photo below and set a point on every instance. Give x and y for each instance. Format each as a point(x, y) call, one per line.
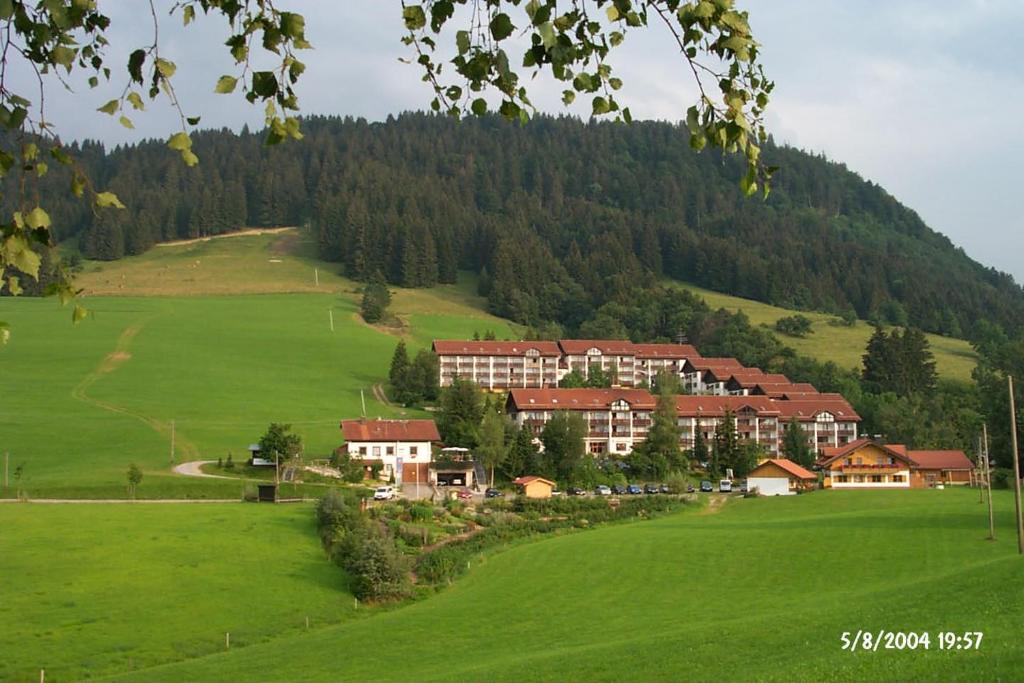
point(770, 486)
point(391, 454)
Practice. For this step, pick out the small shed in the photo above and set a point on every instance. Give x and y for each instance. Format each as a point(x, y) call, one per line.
point(254, 457)
point(535, 487)
point(780, 477)
point(266, 493)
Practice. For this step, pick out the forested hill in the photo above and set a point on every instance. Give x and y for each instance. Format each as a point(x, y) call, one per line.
point(559, 217)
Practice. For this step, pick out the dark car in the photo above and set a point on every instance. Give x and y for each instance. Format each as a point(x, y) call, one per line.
point(634, 490)
point(575, 491)
point(618, 489)
point(664, 488)
point(706, 486)
point(650, 488)
point(689, 488)
point(493, 493)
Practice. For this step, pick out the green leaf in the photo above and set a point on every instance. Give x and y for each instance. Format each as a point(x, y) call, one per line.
point(6, 9)
point(568, 97)
point(615, 83)
point(414, 17)
point(165, 67)
point(479, 106)
point(462, 41)
point(180, 141)
point(189, 157)
point(264, 83)
point(600, 106)
point(748, 183)
point(188, 15)
point(126, 122)
point(79, 313)
point(293, 25)
point(109, 108)
point(501, 27)
point(13, 285)
point(547, 34)
point(37, 218)
point(135, 62)
point(77, 185)
point(136, 100)
point(108, 199)
point(226, 84)
point(41, 168)
point(64, 56)
point(16, 252)
point(193, 120)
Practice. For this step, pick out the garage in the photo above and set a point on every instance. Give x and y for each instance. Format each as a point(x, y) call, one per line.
point(780, 477)
point(452, 474)
point(415, 473)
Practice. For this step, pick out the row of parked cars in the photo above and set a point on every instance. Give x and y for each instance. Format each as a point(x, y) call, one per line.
point(724, 486)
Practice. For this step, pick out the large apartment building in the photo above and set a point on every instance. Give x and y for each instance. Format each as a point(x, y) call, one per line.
point(618, 419)
point(499, 365)
point(503, 365)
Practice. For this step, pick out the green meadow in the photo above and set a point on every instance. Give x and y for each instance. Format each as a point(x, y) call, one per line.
point(954, 358)
point(94, 397)
point(760, 590)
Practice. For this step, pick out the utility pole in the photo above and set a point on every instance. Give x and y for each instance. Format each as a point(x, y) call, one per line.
point(362, 398)
point(1016, 468)
point(316, 276)
point(988, 484)
point(172, 442)
point(330, 312)
point(7, 468)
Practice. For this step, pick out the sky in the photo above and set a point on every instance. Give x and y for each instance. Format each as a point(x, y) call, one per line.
point(921, 97)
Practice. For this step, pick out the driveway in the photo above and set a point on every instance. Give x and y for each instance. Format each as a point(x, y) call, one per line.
point(191, 469)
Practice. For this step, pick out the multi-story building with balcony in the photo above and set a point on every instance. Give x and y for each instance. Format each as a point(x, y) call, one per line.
point(616, 418)
point(616, 358)
point(499, 365)
point(708, 375)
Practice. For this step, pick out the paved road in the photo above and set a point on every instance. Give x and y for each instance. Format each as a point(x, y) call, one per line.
point(191, 469)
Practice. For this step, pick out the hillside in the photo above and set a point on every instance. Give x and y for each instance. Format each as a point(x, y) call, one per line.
point(222, 337)
point(561, 216)
point(790, 576)
point(841, 344)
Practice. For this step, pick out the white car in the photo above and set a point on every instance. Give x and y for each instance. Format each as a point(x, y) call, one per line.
point(383, 493)
point(725, 486)
point(603, 490)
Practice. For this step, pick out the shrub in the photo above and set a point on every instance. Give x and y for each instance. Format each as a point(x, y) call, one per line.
point(1001, 477)
point(754, 492)
point(421, 512)
point(229, 464)
point(794, 325)
point(379, 571)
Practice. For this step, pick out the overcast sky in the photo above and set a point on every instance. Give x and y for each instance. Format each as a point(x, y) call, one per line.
point(922, 97)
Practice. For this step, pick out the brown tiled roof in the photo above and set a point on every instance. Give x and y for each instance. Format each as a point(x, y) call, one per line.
point(807, 409)
point(941, 460)
point(389, 430)
point(787, 465)
point(665, 351)
point(444, 347)
point(830, 454)
point(578, 399)
point(715, 406)
point(694, 364)
point(579, 347)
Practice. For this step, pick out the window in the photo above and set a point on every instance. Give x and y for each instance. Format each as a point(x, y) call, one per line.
point(391, 450)
point(876, 478)
point(414, 450)
point(376, 451)
point(362, 450)
point(621, 447)
point(899, 478)
point(860, 461)
point(858, 478)
point(842, 479)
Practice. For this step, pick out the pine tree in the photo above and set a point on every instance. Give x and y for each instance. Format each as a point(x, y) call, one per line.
point(398, 375)
point(796, 446)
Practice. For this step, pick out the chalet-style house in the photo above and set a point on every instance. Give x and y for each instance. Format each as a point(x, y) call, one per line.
point(780, 477)
point(402, 448)
point(865, 463)
point(620, 418)
point(535, 487)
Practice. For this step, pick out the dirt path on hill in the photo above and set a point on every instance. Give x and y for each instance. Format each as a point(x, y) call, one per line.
point(111, 362)
point(715, 504)
point(378, 393)
point(239, 233)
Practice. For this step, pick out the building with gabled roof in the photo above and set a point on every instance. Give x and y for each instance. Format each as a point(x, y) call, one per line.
point(780, 477)
point(498, 365)
point(400, 448)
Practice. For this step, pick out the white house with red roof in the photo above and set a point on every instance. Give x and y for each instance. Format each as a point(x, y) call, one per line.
point(780, 477)
point(499, 365)
point(402, 448)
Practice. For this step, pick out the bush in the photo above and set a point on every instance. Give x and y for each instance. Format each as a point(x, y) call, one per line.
point(229, 464)
point(1002, 477)
point(379, 571)
point(754, 492)
point(421, 512)
point(794, 325)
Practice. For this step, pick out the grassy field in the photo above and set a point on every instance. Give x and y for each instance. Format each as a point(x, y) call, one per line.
point(759, 591)
point(95, 397)
point(954, 358)
point(96, 589)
